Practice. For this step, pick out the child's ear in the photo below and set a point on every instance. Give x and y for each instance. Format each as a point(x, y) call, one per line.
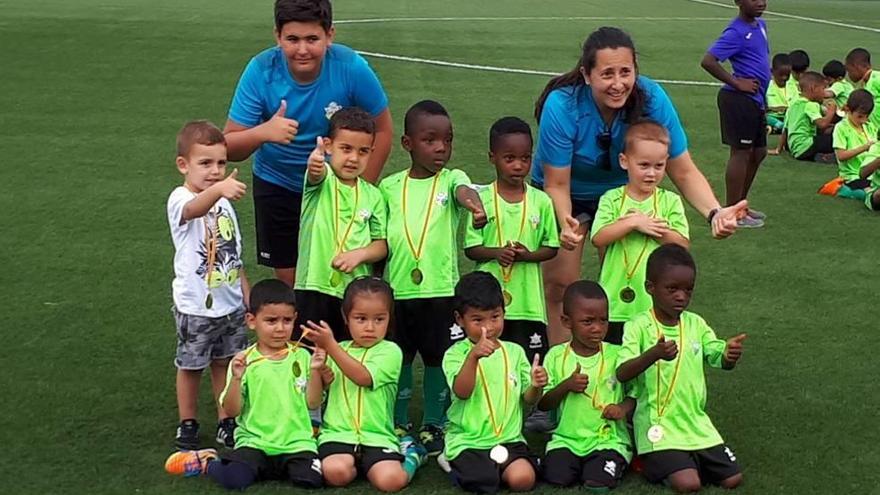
point(251, 320)
point(566, 321)
point(331, 35)
point(649, 286)
point(328, 142)
point(406, 142)
point(624, 163)
point(458, 319)
point(181, 164)
point(492, 156)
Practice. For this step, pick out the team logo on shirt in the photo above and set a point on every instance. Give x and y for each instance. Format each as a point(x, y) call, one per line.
point(455, 332)
point(365, 214)
point(332, 108)
point(534, 220)
point(535, 341)
point(300, 384)
point(441, 199)
point(611, 382)
point(511, 377)
point(611, 468)
point(696, 348)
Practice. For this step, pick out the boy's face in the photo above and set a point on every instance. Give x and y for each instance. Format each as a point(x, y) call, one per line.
point(587, 320)
point(645, 164)
point(349, 153)
point(512, 158)
point(474, 320)
point(752, 8)
point(304, 45)
point(273, 324)
point(858, 118)
point(856, 72)
point(203, 166)
point(368, 319)
point(814, 92)
point(781, 74)
point(430, 145)
point(672, 291)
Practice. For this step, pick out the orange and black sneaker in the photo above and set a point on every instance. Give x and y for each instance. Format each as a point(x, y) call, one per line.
point(189, 462)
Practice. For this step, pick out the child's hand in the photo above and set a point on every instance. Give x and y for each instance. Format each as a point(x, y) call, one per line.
point(665, 349)
point(279, 129)
point(831, 107)
point(321, 335)
point(327, 376)
point(478, 212)
point(734, 349)
point(506, 255)
point(650, 226)
point(613, 412)
point(346, 262)
point(239, 365)
point(319, 359)
point(750, 86)
point(570, 235)
point(577, 382)
point(231, 187)
point(315, 167)
point(520, 250)
point(538, 373)
point(484, 347)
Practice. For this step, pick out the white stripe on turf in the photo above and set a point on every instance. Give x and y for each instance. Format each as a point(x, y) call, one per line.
point(798, 17)
point(482, 19)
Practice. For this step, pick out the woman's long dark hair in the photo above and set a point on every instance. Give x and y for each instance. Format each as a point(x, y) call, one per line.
point(604, 37)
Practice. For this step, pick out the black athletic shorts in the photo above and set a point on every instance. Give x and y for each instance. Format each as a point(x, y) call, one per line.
point(315, 306)
point(599, 469)
point(714, 464)
point(276, 212)
point(822, 143)
point(364, 457)
point(474, 471)
point(530, 335)
point(301, 468)
point(743, 121)
point(586, 207)
point(427, 327)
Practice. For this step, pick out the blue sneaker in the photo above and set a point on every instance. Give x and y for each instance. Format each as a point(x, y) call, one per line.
point(433, 438)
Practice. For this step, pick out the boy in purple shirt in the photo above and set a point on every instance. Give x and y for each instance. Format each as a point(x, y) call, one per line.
point(741, 102)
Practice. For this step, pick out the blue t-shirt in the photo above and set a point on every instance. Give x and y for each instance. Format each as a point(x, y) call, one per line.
point(748, 49)
point(569, 137)
point(346, 80)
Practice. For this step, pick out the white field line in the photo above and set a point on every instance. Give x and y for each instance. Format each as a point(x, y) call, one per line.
point(508, 70)
point(489, 19)
point(798, 17)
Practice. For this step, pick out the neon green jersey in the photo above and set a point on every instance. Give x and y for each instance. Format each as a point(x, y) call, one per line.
point(847, 137)
point(534, 227)
point(777, 97)
point(800, 120)
point(872, 85)
point(274, 414)
point(841, 90)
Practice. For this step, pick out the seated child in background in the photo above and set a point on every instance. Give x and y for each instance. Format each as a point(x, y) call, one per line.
point(800, 63)
point(635, 219)
point(807, 136)
point(266, 389)
point(358, 431)
point(778, 95)
point(491, 377)
point(858, 67)
point(591, 446)
point(871, 170)
point(838, 86)
point(209, 286)
point(343, 219)
point(674, 436)
point(853, 137)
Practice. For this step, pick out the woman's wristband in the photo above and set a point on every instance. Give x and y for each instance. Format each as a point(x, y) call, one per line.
point(712, 213)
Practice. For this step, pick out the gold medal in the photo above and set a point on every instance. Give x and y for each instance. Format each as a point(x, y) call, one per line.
point(417, 276)
point(627, 295)
point(211, 255)
point(655, 433)
point(335, 278)
point(499, 454)
point(209, 301)
point(508, 297)
point(507, 272)
point(297, 369)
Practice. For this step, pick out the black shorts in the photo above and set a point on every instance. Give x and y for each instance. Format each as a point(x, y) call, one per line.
point(315, 306)
point(599, 469)
point(743, 121)
point(427, 327)
point(474, 471)
point(276, 213)
point(301, 468)
point(530, 335)
point(714, 464)
point(587, 207)
point(858, 184)
point(364, 457)
point(615, 332)
point(822, 143)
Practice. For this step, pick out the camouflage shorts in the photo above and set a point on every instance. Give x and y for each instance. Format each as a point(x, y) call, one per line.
point(201, 340)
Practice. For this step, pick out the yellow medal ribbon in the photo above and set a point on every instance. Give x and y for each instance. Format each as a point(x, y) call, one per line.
point(594, 398)
point(355, 419)
point(507, 272)
point(211, 255)
point(627, 272)
point(417, 252)
point(340, 243)
point(496, 427)
point(663, 404)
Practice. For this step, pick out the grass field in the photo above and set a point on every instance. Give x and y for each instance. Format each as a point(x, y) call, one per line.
point(93, 91)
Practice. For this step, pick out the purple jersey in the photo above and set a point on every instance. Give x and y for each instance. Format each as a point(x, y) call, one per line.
point(748, 49)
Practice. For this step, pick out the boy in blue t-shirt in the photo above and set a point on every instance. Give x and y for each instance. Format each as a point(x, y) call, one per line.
point(742, 102)
point(283, 102)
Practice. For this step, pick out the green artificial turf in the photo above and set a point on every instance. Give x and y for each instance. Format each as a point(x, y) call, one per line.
point(92, 93)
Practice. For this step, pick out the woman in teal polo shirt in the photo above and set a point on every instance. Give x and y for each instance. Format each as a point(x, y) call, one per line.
point(583, 116)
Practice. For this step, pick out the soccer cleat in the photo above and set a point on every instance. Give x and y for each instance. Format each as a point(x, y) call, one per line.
point(748, 222)
point(226, 432)
point(187, 435)
point(757, 215)
point(189, 462)
point(433, 438)
point(402, 431)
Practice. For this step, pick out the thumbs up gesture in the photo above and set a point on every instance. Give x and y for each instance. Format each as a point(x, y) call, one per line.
point(538, 373)
point(279, 129)
point(734, 349)
point(231, 187)
point(316, 168)
point(570, 236)
point(485, 346)
point(665, 349)
point(478, 212)
point(577, 382)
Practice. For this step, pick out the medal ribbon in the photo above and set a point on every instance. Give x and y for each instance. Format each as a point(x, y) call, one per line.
point(355, 419)
point(211, 240)
point(663, 404)
point(627, 272)
point(495, 425)
point(340, 244)
point(594, 398)
point(507, 272)
point(417, 253)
